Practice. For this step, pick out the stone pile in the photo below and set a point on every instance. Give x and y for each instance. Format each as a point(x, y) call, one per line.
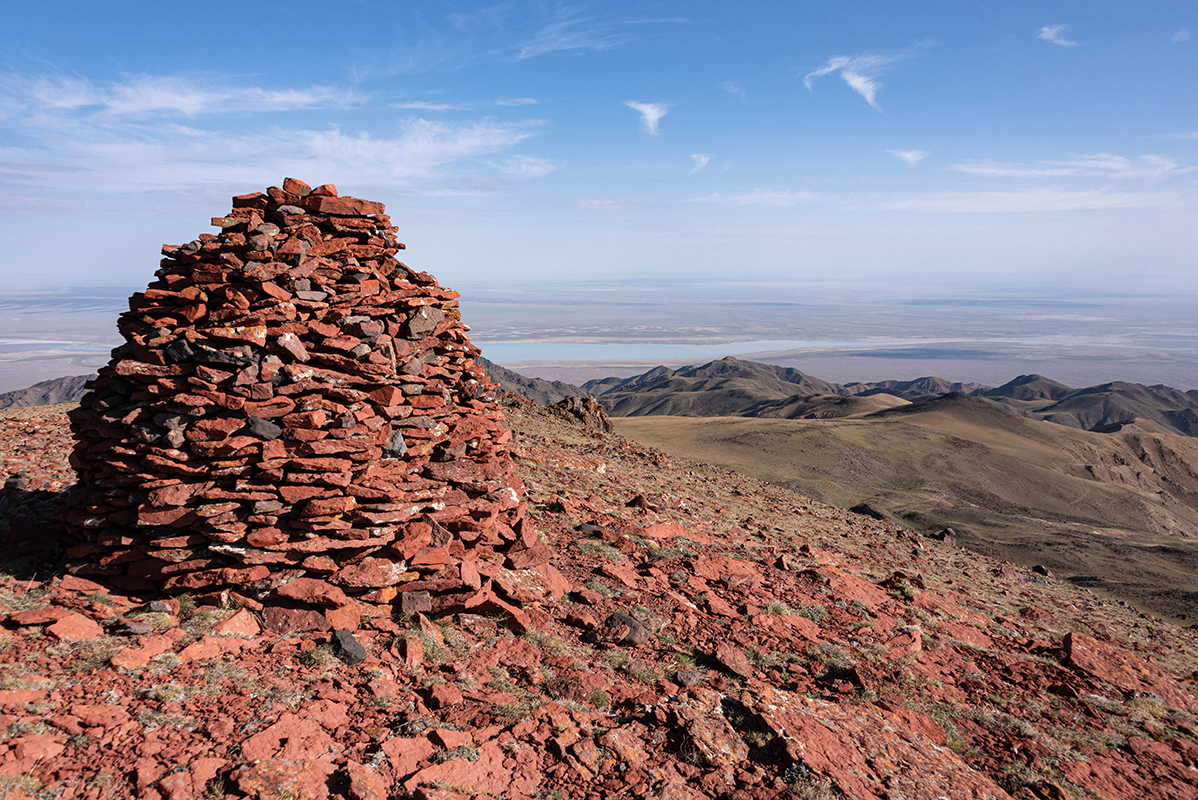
point(297, 415)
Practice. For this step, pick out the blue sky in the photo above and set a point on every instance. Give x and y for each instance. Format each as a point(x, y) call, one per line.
point(927, 147)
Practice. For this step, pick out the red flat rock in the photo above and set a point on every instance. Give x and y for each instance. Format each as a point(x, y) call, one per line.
point(135, 658)
point(292, 738)
point(210, 647)
point(313, 591)
point(39, 616)
point(74, 627)
point(297, 620)
point(365, 783)
point(406, 755)
point(239, 623)
point(372, 573)
point(100, 716)
point(734, 659)
point(17, 698)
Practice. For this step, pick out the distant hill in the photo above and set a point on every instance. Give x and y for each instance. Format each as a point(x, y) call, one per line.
point(725, 387)
point(535, 389)
point(58, 390)
point(732, 387)
point(1112, 511)
point(1030, 387)
point(1105, 408)
point(918, 389)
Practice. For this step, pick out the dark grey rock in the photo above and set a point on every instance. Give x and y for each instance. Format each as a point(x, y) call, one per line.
point(263, 428)
point(178, 351)
point(347, 648)
point(423, 321)
point(396, 447)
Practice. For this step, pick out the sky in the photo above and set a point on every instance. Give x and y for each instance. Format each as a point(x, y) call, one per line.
point(717, 153)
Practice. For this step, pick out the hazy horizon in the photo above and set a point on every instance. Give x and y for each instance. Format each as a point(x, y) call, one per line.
point(841, 333)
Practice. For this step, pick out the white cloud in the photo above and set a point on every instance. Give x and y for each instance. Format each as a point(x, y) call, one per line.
point(419, 105)
point(149, 95)
point(525, 167)
point(859, 72)
point(603, 205)
point(569, 32)
point(1052, 33)
point(651, 114)
point(701, 160)
point(1182, 35)
point(779, 198)
point(1102, 165)
point(1026, 201)
point(131, 137)
point(912, 157)
point(516, 101)
point(735, 89)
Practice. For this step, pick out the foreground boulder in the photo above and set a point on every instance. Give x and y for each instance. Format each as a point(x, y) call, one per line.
point(293, 402)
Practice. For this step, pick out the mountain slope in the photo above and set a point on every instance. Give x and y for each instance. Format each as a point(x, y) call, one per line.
point(731, 387)
point(695, 634)
point(58, 390)
point(1115, 511)
point(726, 386)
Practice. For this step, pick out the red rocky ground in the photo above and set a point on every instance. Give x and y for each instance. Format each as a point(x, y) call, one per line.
point(689, 633)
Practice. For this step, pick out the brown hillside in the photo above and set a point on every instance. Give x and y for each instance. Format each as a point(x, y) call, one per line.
point(1116, 512)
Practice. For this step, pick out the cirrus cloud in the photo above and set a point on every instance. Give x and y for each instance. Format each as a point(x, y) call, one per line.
point(861, 72)
point(651, 114)
point(1052, 33)
point(142, 135)
point(912, 157)
point(777, 198)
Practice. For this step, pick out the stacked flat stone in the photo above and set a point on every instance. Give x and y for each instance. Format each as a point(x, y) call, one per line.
point(292, 402)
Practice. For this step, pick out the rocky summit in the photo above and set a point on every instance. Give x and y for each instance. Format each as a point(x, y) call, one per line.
point(297, 416)
point(321, 561)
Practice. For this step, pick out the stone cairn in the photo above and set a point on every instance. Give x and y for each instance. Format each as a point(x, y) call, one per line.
point(297, 417)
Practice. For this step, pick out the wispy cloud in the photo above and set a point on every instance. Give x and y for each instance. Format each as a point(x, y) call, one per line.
point(860, 72)
point(516, 101)
point(1182, 35)
point(651, 114)
point(701, 160)
point(912, 157)
point(735, 89)
point(149, 95)
point(1183, 136)
point(1026, 201)
point(779, 198)
point(603, 205)
point(569, 31)
point(423, 106)
point(1104, 165)
point(132, 138)
point(1052, 33)
point(525, 167)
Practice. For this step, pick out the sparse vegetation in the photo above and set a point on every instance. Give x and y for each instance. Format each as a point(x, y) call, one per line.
point(546, 641)
point(601, 549)
point(320, 657)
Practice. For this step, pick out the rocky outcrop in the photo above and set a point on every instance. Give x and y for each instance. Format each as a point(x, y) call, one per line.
point(587, 410)
point(298, 415)
point(58, 390)
point(535, 389)
point(693, 634)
